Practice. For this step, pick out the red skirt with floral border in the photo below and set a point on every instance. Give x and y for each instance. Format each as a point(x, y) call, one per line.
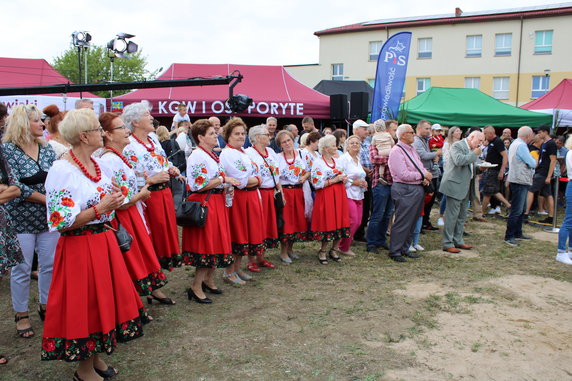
point(160, 213)
point(330, 217)
point(141, 260)
point(247, 223)
point(269, 213)
point(210, 245)
point(92, 302)
point(295, 224)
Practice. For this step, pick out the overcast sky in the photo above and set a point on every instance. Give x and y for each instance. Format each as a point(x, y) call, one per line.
point(258, 32)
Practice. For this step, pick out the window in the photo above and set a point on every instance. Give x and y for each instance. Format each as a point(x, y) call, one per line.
point(338, 72)
point(540, 85)
point(423, 84)
point(472, 83)
point(474, 46)
point(503, 44)
point(543, 42)
point(425, 48)
point(500, 87)
point(374, 48)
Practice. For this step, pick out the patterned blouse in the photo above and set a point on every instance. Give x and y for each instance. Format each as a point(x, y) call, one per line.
point(28, 217)
point(321, 172)
point(123, 175)
point(201, 168)
point(268, 166)
point(291, 171)
point(144, 161)
point(237, 164)
point(69, 192)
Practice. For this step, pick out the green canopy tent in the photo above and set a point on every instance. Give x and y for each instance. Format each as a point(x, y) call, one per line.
point(466, 108)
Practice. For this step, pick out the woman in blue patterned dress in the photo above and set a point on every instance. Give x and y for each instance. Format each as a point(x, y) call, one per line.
point(30, 158)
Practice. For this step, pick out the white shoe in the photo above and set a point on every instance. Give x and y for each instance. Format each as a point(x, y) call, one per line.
point(570, 254)
point(440, 222)
point(564, 258)
point(418, 247)
point(542, 213)
point(412, 249)
point(492, 211)
point(497, 210)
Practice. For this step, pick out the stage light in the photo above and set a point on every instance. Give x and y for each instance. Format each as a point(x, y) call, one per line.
point(121, 47)
point(239, 102)
point(81, 39)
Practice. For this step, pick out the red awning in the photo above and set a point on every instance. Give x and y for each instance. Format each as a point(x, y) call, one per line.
point(25, 72)
point(557, 102)
point(273, 90)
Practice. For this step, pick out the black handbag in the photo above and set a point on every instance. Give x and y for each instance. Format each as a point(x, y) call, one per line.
point(192, 213)
point(278, 201)
point(427, 188)
point(124, 239)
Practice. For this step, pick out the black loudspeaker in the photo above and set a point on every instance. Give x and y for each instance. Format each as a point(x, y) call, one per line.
point(338, 106)
point(359, 105)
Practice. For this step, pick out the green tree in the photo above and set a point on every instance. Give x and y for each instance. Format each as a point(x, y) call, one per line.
point(98, 68)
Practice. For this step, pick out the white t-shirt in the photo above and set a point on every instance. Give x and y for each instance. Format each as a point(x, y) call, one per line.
point(178, 118)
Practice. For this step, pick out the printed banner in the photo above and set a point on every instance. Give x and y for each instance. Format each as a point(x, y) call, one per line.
point(390, 76)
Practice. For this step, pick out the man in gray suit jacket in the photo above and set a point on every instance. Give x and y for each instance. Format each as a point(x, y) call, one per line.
point(456, 185)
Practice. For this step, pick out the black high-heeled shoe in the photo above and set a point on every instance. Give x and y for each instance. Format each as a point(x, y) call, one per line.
point(42, 313)
point(192, 296)
point(160, 300)
point(336, 258)
point(215, 291)
point(106, 374)
point(322, 261)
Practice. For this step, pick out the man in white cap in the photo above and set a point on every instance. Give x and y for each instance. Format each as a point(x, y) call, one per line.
point(361, 129)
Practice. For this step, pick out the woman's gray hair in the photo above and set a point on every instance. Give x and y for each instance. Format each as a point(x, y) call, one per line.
point(347, 144)
point(450, 134)
point(379, 125)
point(253, 132)
point(133, 113)
point(326, 141)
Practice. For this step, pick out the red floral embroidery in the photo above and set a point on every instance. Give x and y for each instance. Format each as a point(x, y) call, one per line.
point(203, 170)
point(56, 218)
point(90, 344)
point(49, 345)
point(123, 177)
point(124, 190)
point(200, 180)
point(133, 158)
point(66, 201)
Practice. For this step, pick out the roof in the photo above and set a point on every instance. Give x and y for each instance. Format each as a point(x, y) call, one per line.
point(466, 108)
point(23, 72)
point(480, 16)
point(274, 92)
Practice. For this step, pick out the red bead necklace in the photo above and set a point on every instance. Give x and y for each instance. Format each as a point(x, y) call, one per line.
point(143, 144)
point(286, 159)
point(120, 155)
point(330, 166)
point(212, 155)
point(260, 153)
point(238, 149)
point(97, 176)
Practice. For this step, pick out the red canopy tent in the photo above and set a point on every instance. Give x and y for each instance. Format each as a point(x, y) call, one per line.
point(22, 72)
point(273, 90)
point(557, 102)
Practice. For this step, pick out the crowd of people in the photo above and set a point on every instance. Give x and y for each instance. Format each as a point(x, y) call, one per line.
point(71, 202)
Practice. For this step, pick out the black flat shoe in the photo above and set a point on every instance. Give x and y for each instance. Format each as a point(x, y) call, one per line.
point(215, 291)
point(160, 300)
point(412, 255)
point(23, 332)
point(192, 296)
point(398, 258)
point(42, 313)
point(106, 374)
point(322, 261)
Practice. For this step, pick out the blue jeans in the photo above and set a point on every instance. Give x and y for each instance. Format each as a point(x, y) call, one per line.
point(442, 205)
point(565, 233)
point(417, 230)
point(381, 213)
point(518, 198)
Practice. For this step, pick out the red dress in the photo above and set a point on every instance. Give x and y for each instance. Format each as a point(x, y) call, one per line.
point(330, 217)
point(208, 246)
point(92, 302)
point(247, 221)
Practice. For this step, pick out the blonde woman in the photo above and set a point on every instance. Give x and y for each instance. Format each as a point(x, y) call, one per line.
point(30, 158)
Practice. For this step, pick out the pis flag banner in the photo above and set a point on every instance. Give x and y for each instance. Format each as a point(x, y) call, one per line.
point(390, 76)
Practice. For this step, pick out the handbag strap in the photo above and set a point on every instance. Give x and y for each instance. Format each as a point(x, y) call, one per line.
point(186, 195)
point(269, 169)
point(403, 149)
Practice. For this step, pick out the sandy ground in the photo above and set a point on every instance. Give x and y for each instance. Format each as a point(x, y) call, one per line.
point(525, 336)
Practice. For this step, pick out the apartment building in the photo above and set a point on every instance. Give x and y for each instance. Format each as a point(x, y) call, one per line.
point(514, 55)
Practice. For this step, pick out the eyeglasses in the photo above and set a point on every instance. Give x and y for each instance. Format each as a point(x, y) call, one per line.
point(95, 129)
point(119, 128)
